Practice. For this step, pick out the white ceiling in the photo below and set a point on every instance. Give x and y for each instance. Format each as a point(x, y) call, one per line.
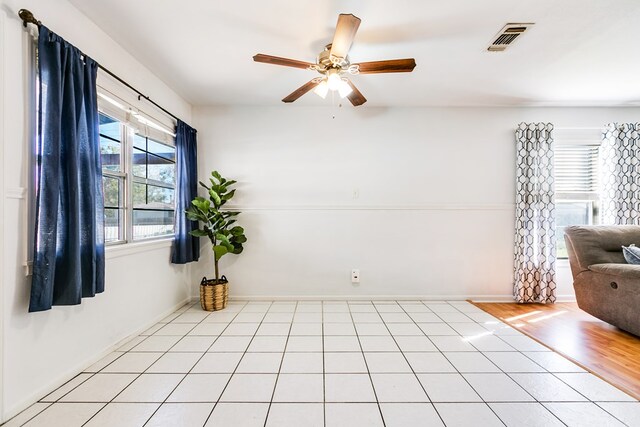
point(579, 53)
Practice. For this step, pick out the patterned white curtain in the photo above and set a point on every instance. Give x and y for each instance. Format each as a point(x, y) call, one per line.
point(620, 174)
point(535, 237)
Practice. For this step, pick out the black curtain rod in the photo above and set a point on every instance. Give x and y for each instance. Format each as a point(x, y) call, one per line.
point(28, 18)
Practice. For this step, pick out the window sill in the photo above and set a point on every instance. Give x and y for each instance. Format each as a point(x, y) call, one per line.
point(117, 251)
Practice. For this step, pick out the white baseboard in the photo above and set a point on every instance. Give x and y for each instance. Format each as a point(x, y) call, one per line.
point(476, 298)
point(71, 373)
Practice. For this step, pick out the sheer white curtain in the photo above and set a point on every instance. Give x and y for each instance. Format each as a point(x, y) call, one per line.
point(535, 234)
point(620, 174)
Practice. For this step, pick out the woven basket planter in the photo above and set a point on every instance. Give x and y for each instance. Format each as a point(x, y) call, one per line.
point(214, 296)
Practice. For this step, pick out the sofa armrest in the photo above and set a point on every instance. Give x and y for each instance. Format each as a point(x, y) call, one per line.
point(628, 271)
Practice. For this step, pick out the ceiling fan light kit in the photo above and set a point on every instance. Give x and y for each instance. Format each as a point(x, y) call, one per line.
point(333, 64)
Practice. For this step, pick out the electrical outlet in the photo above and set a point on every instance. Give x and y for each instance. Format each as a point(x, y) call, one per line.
point(355, 276)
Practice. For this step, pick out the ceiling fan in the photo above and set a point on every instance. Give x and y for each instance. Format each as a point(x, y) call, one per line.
point(333, 64)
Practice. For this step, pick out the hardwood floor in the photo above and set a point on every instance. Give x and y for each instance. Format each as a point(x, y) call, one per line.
point(605, 350)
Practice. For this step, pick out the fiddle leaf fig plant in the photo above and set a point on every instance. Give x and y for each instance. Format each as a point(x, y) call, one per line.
point(217, 224)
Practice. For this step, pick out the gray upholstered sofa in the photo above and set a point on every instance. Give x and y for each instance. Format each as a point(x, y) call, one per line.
point(605, 285)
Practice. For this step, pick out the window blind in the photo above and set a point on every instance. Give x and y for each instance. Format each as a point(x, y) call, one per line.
point(576, 168)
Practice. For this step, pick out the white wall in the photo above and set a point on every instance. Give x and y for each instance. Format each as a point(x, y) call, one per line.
point(421, 200)
point(43, 349)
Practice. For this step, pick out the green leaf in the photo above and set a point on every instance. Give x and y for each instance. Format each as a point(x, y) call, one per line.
point(199, 233)
point(214, 197)
point(222, 238)
point(219, 251)
point(238, 239)
point(203, 184)
point(216, 175)
point(229, 195)
point(237, 230)
point(230, 182)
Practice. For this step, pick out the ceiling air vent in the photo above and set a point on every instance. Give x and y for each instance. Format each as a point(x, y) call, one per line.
point(507, 35)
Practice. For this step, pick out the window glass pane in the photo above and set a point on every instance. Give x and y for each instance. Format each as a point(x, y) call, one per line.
point(110, 153)
point(140, 142)
point(570, 213)
point(112, 188)
point(139, 163)
point(139, 195)
point(113, 225)
point(160, 169)
point(160, 197)
point(161, 150)
point(110, 127)
point(148, 223)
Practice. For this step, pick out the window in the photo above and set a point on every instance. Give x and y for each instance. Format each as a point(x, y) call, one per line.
point(138, 175)
point(576, 179)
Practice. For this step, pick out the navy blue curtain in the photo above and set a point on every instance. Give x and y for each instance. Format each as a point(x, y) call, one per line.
point(186, 248)
point(68, 261)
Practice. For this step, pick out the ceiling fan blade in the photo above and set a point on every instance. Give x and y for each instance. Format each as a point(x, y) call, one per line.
point(301, 90)
point(391, 66)
point(356, 97)
point(345, 33)
point(276, 60)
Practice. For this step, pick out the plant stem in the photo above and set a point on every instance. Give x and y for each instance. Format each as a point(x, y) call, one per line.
point(215, 264)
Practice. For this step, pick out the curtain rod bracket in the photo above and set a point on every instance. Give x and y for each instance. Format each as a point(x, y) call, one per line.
point(28, 18)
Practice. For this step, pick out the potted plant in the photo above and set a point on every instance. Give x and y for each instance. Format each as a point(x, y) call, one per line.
point(226, 237)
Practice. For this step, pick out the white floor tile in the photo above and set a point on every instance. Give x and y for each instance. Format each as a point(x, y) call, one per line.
point(249, 317)
point(210, 329)
point(409, 344)
point(191, 317)
point(582, 415)
point(240, 329)
point(387, 363)
point(489, 343)
point(470, 362)
point(199, 388)
point(302, 317)
point(511, 361)
point(180, 329)
point(283, 307)
point(431, 362)
point(299, 388)
point(339, 329)
point(65, 415)
point(348, 388)
point(306, 307)
point(230, 344)
point(468, 415)
point(238, 415)
point(99, 388)
point(217, 363)
point(411, 308)
point(547, 388)
point(152, 330)
point(220, 317)
point(378, 343)
point(448, 388)
point(366, 317)
point(295, 415)
point(193, 344)
point(524, 343)
point(425, 318)
point(356, 307)
point(396, 317)
point(451, 343)
point(66, 388)
point(468, 329)
point(404, 329)
point(267, 344)
point(335, 307)
point(26, 415)
point(553, 362)
point(123, 415)
point(410, 414)
point(595, 389)
point(371, 329)
point(525, 415)
point(627, 412)
point(497, 388)
point(337, 318)
point(174, 363)
point(304, 344)
point(156, 343)
point(434, 329)
point(344, 363)
point(181, 415)
point(302, 363)
point(150, 388)
point(100, 364)
point(454, 317)
point(274, 317)
point(274, 329)
point(441, 307)
point(398, 388)
point(389, 308)
point(352, 415)
point(250, 388)
point(260, 363)
point(304, 329)
point(133, 362)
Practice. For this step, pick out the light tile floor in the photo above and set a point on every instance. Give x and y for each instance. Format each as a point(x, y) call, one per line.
point(329, 363)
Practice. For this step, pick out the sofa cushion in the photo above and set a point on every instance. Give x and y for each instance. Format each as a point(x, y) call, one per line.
point(598, 244)
point(628, 271)
point(631, 254)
